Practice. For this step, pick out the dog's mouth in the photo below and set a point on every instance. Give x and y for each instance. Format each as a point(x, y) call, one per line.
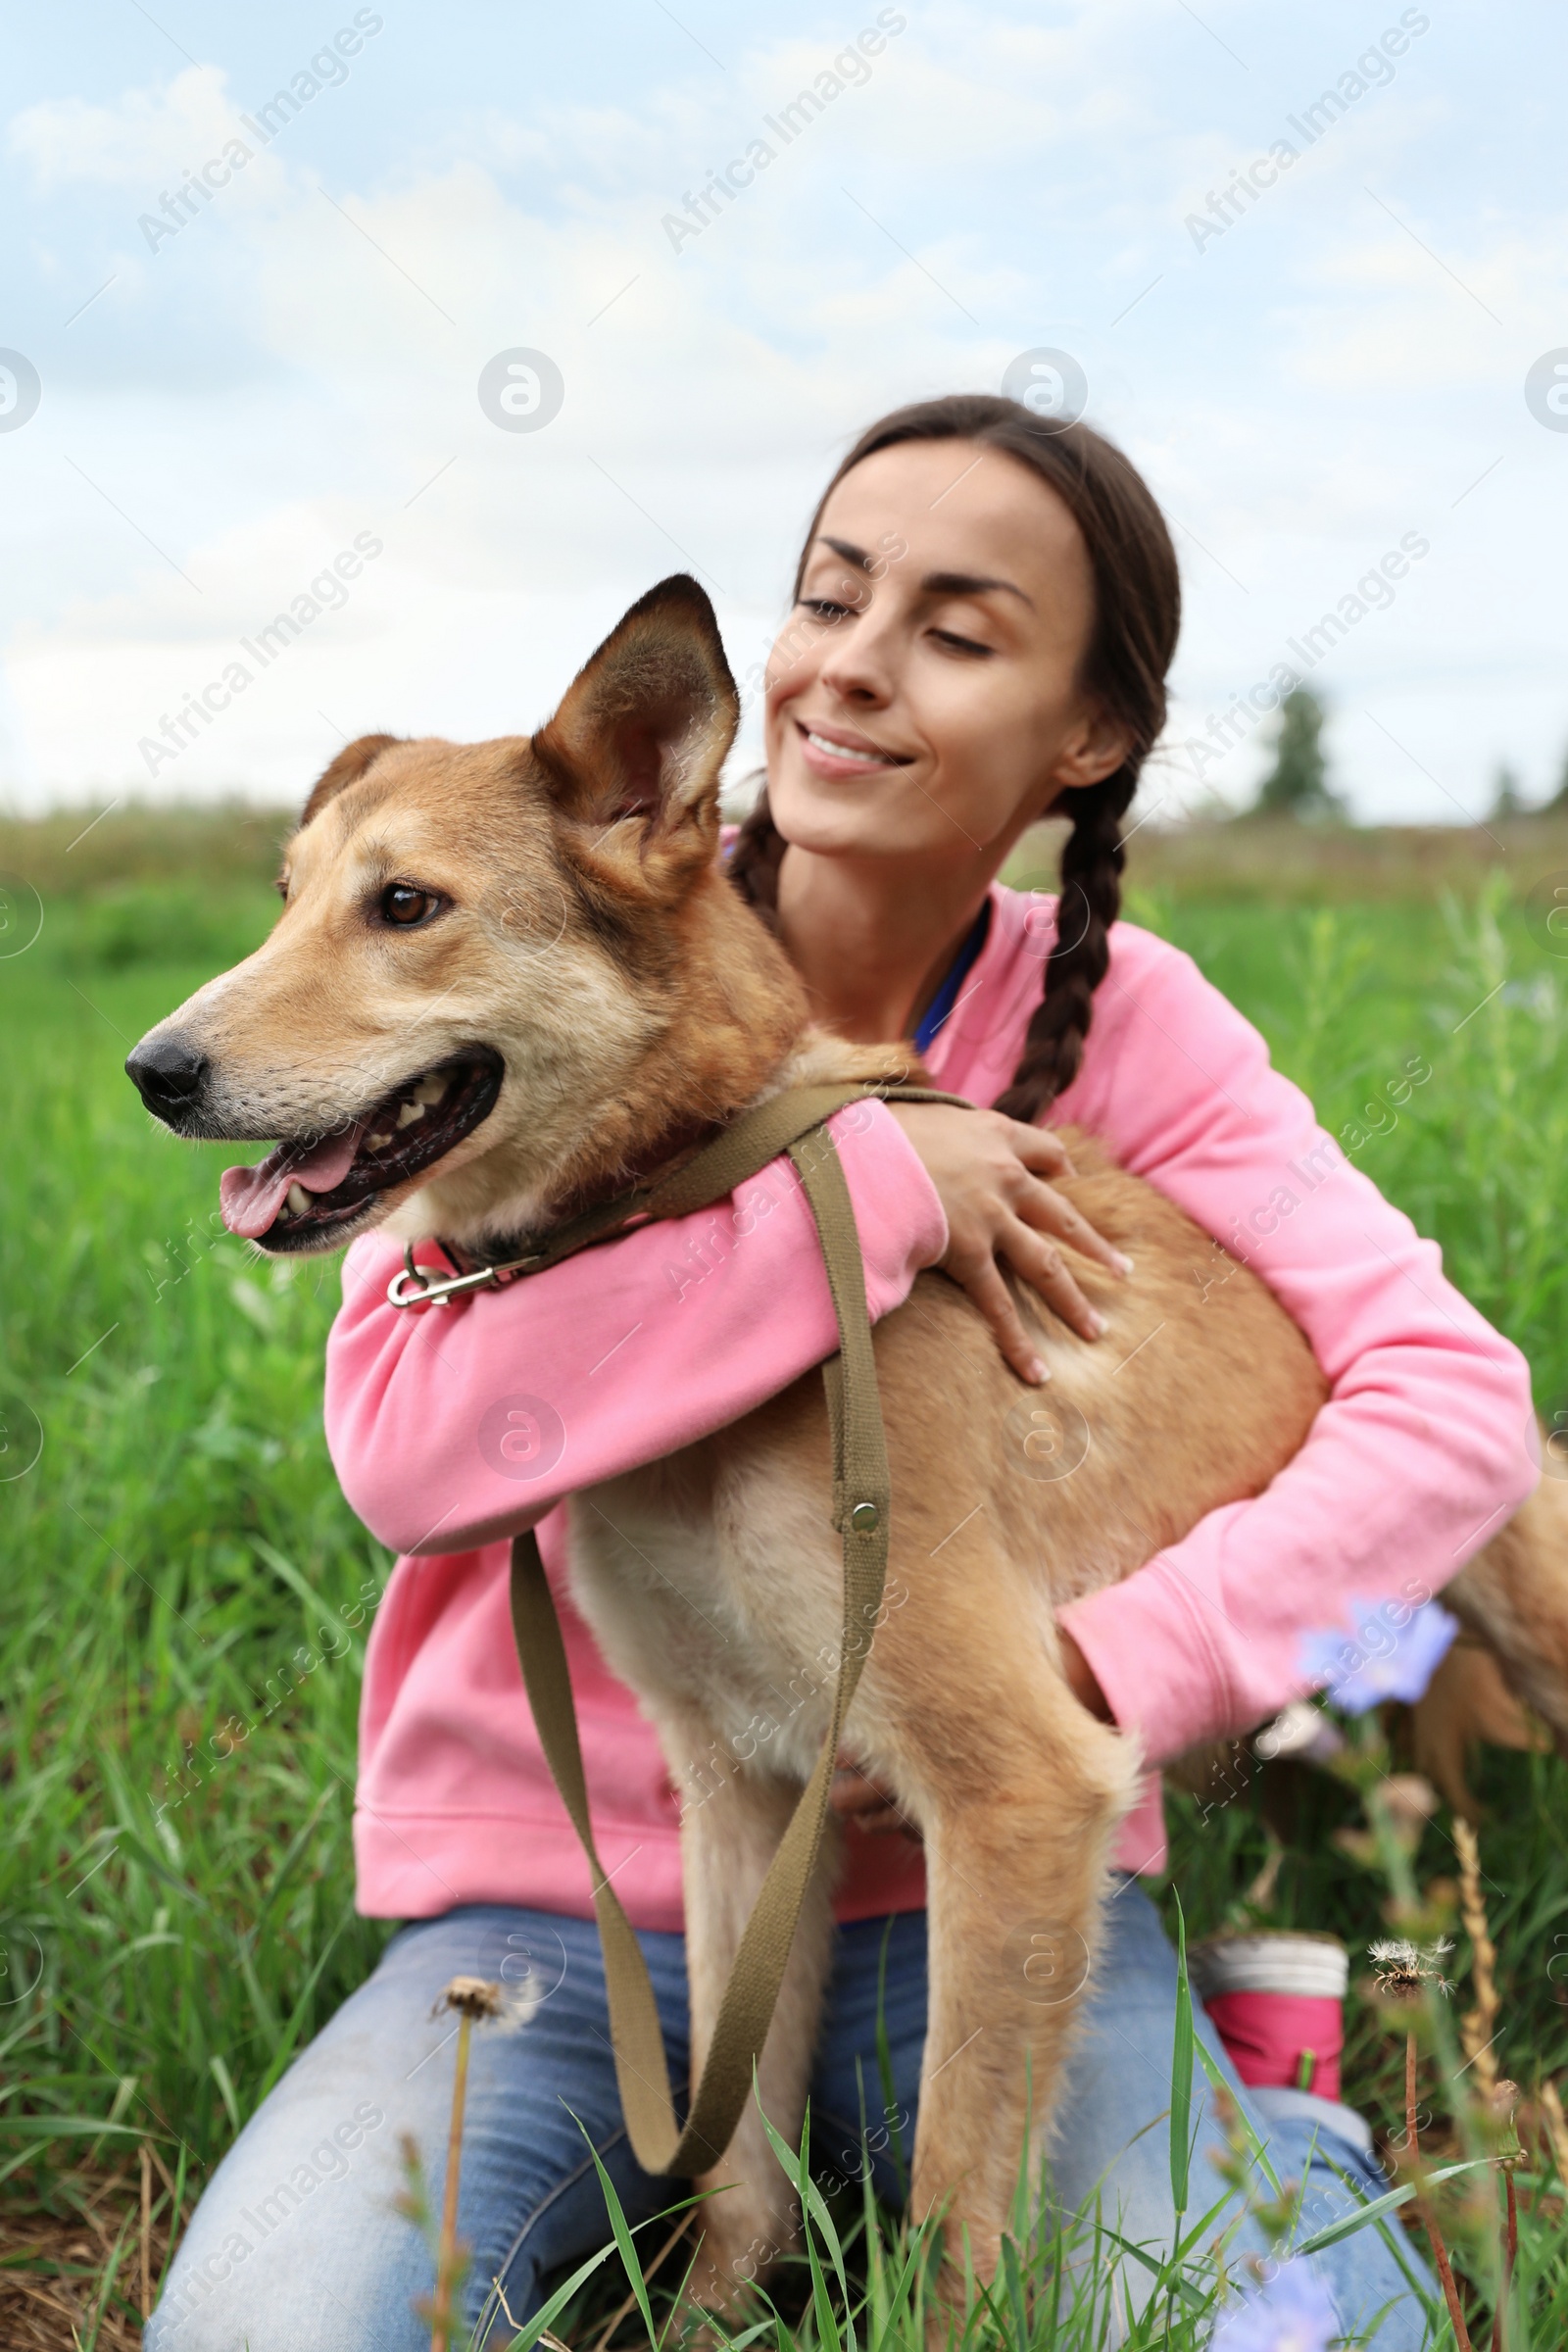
point(309, 1190)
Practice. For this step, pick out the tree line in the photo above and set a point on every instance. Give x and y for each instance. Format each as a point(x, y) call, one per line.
point(1298, 784)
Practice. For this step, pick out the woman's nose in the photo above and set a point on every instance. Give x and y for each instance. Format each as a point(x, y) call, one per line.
point(857, 664)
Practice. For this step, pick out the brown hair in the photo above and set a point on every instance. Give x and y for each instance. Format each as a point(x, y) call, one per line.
point(1137, 615)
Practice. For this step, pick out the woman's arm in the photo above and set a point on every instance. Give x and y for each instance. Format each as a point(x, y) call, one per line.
point(1420, 1454)
point(450, 1427)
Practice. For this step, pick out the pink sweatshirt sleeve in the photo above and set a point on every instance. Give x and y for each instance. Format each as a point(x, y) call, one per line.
point(451, 1427)
point(1421, 1452)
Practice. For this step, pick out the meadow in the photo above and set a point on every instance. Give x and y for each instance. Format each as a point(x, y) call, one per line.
point(185, 1594)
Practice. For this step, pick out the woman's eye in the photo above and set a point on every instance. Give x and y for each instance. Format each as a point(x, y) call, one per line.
point(405, 905)
point(824, 607)
point(961, 645)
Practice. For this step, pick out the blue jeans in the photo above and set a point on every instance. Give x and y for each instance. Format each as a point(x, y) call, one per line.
point(296, 2248)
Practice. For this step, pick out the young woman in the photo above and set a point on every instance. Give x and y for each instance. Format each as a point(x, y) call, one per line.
point(986, 608)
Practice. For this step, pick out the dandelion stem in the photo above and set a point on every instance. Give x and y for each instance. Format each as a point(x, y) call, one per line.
point(446, 2256)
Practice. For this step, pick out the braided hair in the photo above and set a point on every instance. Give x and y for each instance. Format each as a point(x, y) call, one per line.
point(1137, 614)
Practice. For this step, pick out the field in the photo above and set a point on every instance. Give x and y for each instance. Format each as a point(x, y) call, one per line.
point(176, 1894)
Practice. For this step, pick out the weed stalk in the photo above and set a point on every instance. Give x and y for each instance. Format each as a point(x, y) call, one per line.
point(473, 1998)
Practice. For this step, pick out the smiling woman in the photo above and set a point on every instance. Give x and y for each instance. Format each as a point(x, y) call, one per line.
point(1002, 653)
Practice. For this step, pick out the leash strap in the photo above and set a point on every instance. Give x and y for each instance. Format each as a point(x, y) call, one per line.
point(861, 1504)
point(739, 1151)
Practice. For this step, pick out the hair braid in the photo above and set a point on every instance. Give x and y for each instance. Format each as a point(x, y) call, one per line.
point(1092, 861)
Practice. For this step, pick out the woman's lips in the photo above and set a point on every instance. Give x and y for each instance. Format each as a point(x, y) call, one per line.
point(826, 756)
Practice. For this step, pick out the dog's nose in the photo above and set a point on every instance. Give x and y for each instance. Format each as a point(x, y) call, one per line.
point(169, 1076)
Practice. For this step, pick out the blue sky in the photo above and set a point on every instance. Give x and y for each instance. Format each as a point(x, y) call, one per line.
point(1315, 371)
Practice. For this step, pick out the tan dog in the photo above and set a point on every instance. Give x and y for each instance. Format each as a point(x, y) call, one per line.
point(509, 977)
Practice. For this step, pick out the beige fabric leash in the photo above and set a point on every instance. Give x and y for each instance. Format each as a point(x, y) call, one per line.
point(789, 1122)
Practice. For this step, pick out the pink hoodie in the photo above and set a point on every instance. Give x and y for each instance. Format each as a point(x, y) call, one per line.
point(453, 1428)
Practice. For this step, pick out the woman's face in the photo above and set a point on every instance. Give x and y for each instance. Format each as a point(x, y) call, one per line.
point(923, 696)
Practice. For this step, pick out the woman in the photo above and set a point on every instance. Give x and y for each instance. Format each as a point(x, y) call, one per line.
point(986, 608)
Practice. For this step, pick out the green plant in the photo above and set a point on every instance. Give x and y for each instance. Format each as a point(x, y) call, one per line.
point(186, 1594)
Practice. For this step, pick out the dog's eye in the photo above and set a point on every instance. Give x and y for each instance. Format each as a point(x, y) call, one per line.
point(405, 905)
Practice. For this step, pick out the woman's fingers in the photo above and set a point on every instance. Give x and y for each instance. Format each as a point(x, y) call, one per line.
point(1051, 1211)
point(982, 1278)
point(1045, 1155)
point(997, 1181)
point(1040, 1149)
point(1044, 1269)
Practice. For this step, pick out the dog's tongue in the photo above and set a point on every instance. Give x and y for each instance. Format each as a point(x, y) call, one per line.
point(251, 1198)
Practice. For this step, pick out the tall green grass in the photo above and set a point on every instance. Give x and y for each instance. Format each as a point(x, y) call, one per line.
point(176, 1899)
point(185, 1594)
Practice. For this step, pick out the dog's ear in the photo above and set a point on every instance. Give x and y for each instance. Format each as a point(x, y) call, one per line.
point(347, 768)
point(645, 726)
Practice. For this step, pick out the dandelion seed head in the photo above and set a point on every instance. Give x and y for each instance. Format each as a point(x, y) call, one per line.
point(1403, 1969)
point(472, 1997)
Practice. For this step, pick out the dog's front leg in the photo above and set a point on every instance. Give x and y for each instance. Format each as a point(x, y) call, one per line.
point(1016, 1877)
point(728, 1838)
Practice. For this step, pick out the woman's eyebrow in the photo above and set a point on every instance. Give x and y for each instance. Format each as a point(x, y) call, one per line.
point(850, 553)
point(934, 583)
point(969, 583)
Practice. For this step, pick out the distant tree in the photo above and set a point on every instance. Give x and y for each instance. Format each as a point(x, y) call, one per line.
point(1298, 784)
point(1506, 800)
point(1559, 803)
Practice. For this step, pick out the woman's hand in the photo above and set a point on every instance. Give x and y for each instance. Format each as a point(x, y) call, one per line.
point(992, 1176)
point(1081, 1678)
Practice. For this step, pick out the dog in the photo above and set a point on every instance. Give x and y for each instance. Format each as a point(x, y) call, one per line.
point(511, 978)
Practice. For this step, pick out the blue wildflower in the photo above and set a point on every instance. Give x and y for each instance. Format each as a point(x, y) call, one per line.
point(1378, 1659)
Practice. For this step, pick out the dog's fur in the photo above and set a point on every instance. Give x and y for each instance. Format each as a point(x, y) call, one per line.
point(585, 934)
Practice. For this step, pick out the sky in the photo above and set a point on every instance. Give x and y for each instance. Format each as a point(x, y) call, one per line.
point(260, 355)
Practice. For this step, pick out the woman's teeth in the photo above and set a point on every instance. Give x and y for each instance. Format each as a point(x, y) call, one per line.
point(842, 751)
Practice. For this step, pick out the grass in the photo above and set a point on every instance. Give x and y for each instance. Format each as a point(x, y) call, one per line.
point(183, 1615)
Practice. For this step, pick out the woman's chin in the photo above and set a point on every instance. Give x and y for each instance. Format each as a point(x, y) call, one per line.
point(862, 816)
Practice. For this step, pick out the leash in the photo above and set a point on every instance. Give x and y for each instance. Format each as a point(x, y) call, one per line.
point(789, 1122)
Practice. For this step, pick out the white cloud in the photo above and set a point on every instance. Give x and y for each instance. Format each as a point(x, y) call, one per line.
point(148, 135)
point(306, 368)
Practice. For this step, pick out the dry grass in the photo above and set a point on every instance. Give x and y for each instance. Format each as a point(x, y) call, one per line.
point(74, 2274)
point(75, 851)
point(236, 842)
point(1277, 861)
